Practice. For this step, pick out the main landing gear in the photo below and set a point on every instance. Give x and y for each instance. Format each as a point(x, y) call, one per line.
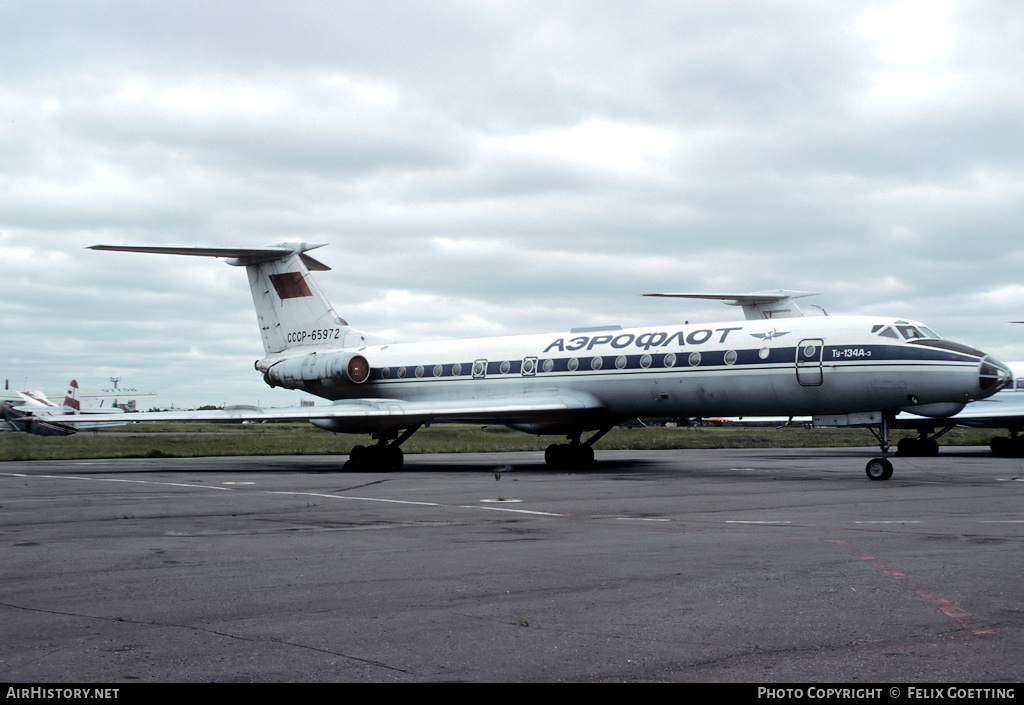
point(879, 469)
point(1011, 446)
point(574, 454)
point(384, 456)
point(926, 445)
point(922, 447)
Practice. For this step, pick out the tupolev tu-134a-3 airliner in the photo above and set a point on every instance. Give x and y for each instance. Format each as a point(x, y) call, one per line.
point(841, 370)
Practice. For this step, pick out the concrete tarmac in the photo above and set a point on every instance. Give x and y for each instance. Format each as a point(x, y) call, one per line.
point(754, 566)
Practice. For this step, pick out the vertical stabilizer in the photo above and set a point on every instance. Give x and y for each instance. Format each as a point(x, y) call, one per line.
point(71, 397)
point(291, 309)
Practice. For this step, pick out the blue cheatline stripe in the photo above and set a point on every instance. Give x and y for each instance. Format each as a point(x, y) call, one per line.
point(782, 358)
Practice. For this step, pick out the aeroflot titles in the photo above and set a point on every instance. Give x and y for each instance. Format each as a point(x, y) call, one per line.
point(646, 341)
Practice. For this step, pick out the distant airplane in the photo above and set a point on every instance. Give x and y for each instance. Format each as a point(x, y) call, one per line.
point(1002, 410)
point(758, 305)
point(852, 370)
point(37, 415)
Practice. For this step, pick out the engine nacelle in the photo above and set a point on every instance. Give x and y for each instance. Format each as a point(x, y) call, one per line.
point(314, 371)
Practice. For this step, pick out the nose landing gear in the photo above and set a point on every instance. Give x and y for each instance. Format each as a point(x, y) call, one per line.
point(879, 469)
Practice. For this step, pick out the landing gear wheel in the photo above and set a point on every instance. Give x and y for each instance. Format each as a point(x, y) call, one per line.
point(362, 458)
point(392, 457)
point(878, 469)
point(357, 458)
point(1000, 445)
point(918, 447)
point(564, 456)
point(1008, 446)
point(554, 456)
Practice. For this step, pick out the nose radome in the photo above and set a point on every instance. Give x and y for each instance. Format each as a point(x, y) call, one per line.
point(993, 376)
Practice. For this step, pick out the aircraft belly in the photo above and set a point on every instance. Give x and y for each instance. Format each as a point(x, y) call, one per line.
point(898, 385)
point(690, 393)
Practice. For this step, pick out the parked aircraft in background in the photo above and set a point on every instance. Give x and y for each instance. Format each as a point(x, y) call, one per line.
point(779, 303)
point(36, 414)
point(854, 370)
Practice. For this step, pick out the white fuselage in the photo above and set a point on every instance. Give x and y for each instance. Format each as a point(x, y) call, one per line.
point(792, 366)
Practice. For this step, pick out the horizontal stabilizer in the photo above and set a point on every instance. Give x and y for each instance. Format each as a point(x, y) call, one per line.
point(291, 309)
point(239, 256)
point(756, 305)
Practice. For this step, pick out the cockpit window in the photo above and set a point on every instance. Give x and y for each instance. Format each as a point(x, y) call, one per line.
point(909, 331)
point(915, 332)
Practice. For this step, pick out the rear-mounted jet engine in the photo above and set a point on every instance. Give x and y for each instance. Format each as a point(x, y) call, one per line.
point(314, 371)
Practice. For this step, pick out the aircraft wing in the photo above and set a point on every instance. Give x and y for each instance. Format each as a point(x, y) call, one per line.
point(778, 303)
point(987, 413)
point(386, 414)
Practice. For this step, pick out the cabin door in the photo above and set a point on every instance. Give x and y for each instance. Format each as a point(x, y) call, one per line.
point(808, 362)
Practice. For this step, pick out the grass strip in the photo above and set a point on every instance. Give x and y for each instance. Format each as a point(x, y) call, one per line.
point(206, 440)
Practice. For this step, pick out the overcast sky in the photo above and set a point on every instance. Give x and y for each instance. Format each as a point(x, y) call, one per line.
point(488, 168)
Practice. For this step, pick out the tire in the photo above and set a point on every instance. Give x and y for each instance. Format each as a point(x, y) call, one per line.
point(878, 469)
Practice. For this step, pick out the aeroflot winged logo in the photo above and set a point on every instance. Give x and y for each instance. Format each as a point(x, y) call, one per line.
point(770, 335)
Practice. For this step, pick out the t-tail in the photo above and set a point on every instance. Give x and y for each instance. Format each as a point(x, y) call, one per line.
point(71, 398)
point(291, 309)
